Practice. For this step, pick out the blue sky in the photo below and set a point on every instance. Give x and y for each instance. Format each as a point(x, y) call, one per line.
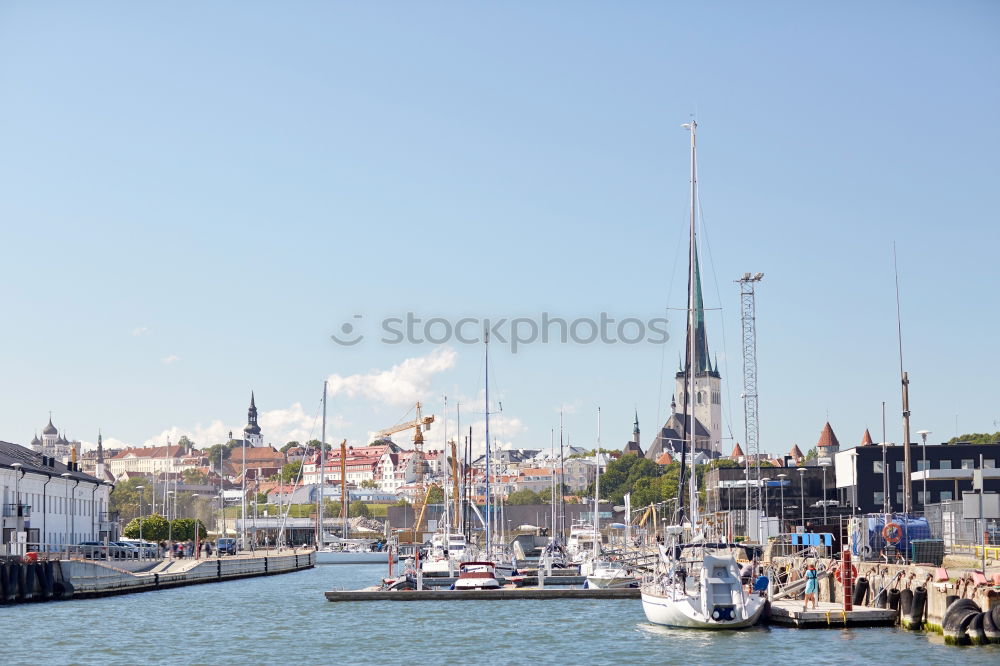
point(193, 196)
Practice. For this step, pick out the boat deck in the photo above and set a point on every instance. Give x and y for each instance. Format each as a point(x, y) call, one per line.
point(789, 612)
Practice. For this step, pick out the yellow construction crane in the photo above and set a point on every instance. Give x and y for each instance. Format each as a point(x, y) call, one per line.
point(419, 425)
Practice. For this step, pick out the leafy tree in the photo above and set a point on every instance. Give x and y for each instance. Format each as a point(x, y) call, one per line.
point(369, 483)
point(357, 509)
point(977, 438)
point(215, 449)
point(288, 446)
point(290, 471)
point(182, 529)
point(185, 443)
point(812, 454)
point(401, 502)
point(435, 495)
point(526, 496)
point(314, 444)
point(154, 528)
point(590, 453)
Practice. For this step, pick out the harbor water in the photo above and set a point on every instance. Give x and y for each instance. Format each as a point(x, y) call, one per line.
point(286, 619)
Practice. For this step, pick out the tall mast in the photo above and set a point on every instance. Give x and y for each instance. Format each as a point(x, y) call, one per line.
point(322, 471)
point(597, 489)
point(692, 323)
point(488, 504)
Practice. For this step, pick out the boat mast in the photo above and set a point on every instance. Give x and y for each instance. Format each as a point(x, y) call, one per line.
point(489, 519)
point(692, 369)
point(597, 489)
point(322, 472)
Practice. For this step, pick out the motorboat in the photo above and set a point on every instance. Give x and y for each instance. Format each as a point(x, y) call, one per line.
point(476, 576)
point(604, 573)
point(352, 551)
point(701, 592)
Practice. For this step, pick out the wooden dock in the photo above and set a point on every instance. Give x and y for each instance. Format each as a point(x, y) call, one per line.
point(788, 612)
point(531, 581)
point(480, 595)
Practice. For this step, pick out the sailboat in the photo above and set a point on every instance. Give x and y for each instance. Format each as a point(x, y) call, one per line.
point(696, 585)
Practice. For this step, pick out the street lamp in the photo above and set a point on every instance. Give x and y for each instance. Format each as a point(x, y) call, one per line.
point(923, 455)
point(782, 476)
point(824, 465)
point(802, 487)
point(195, 520)
point(140, 488)
point(761, 535)
point(69, 502)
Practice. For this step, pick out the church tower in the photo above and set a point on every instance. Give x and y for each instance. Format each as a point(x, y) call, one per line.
point(707, 396)
point(251, 433)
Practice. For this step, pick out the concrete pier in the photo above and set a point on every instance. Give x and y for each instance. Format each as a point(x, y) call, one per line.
point(480, 595)
point(789, 612)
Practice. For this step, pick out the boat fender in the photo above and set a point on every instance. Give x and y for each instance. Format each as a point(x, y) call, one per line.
point(905, 603)
point(957, 618)
point(860, 592)
point(990, 628)
point(919, 605)
point(975, 631)
point(995, 611)
point(893, 599)
point(881, 600)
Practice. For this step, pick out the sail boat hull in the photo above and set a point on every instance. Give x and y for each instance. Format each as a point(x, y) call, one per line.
point(685, 612)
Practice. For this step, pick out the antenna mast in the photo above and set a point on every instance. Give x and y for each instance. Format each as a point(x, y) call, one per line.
point(751, 422)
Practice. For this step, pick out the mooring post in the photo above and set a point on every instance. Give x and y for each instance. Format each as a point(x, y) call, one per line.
point(848, 579)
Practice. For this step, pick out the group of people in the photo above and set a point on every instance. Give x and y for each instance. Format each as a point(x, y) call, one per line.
point(182, 549)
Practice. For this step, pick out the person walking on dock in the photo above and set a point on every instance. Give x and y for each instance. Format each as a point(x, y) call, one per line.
point(812, 579)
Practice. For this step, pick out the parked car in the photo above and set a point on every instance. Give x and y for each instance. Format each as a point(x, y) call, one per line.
point(94, 550)
point(146, 548)
point(225, 546)
point(820, 504)
point(124, 550)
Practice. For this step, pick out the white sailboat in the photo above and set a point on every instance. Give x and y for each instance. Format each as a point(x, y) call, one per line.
point(696, 586)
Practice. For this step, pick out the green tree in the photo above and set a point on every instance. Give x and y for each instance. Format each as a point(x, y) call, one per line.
point(369, 483)
point(185, 443)
point(525, 496)
point(401, 502)
point(812, 454)
point(361, 509)
point(154, 528)
point(977, 438)
point(182, 529)
point(290, 445)
point(290, 471)
point(435, 495)
point(214, 451)
point(314, 444)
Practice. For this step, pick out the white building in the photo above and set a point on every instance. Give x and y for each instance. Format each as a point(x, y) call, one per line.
point(48, 504)
point(151, 460)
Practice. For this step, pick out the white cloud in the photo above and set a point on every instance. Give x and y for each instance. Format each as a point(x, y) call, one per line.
point(173, 358)
point(402, 384)
point(108, 442)
point(140, 330)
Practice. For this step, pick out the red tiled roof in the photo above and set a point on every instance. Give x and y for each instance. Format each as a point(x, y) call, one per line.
point(665, 459)
point(796, 452)
point(827, 438)
point(737, 453)
point(867, 439)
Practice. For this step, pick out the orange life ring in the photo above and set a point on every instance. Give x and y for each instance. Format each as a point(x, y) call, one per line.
point(854, 572)
point(892, 533)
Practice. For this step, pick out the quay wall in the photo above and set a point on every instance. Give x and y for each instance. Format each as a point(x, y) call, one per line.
point(939, 582)
point(65, 579)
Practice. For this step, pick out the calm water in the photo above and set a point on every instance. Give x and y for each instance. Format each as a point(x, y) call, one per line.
point(287, 620)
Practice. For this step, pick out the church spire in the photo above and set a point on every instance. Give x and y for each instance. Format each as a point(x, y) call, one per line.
point(252, 428)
